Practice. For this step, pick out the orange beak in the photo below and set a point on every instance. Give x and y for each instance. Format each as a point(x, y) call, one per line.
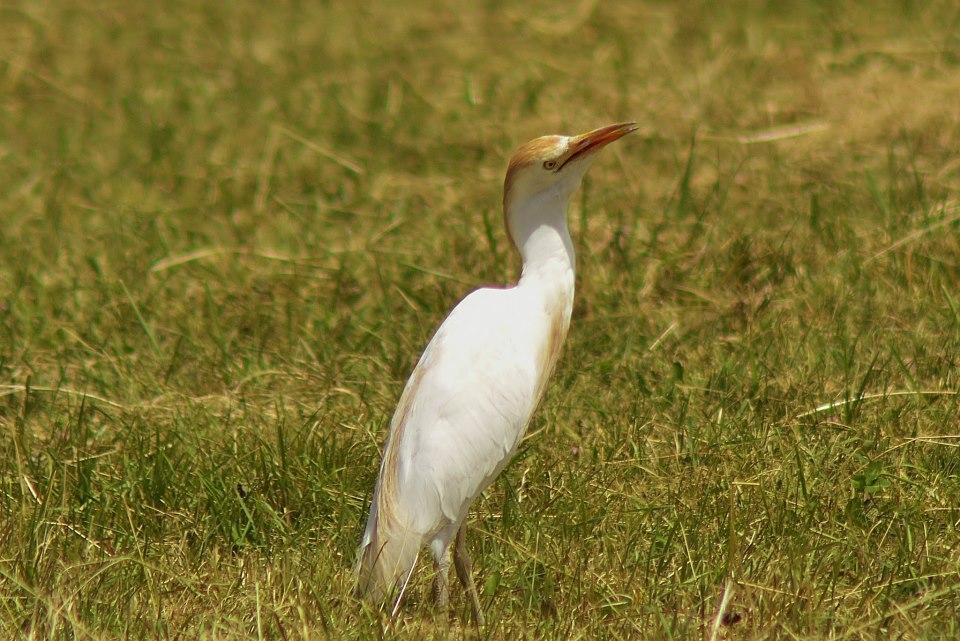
point(593, 141)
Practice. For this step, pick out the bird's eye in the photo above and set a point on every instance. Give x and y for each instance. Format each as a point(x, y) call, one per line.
point(549, 164)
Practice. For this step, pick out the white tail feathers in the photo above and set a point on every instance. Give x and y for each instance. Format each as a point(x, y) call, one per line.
point(387, 557)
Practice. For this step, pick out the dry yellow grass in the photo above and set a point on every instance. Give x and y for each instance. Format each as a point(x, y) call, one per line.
point(229, 229)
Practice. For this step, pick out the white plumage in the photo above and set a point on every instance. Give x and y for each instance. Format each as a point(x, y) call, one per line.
point(467, 404)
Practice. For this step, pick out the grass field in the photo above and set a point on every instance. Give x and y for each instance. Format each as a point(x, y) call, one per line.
point(228, 229)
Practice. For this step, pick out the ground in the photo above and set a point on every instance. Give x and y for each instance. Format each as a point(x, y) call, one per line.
point(227, 230)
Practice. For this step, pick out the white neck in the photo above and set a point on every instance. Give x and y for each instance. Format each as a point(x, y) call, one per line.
point(539, 228)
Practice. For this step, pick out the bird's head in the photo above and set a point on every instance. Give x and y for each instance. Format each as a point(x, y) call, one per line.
point(551, 167)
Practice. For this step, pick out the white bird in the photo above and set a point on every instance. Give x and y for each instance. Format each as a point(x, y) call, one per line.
point(467, 404)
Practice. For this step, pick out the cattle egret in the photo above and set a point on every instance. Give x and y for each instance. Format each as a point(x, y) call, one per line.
point(467, 404)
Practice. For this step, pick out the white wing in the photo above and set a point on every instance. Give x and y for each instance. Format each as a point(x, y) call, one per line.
point(459, 420)
point(470, 398)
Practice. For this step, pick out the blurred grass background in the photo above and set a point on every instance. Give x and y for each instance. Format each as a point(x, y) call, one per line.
point(227, 230)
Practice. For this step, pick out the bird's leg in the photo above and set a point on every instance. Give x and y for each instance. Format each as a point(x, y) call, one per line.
point(441, 584)
point(464, 566)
